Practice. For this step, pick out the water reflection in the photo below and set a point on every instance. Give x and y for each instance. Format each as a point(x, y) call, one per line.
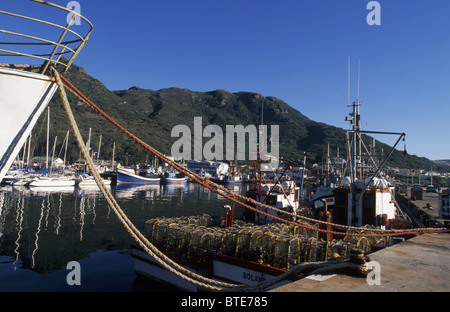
point(44, 229)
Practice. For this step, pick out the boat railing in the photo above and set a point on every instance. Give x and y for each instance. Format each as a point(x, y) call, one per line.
point(61, 52)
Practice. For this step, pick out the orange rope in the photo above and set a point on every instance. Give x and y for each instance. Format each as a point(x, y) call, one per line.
point(205, 182)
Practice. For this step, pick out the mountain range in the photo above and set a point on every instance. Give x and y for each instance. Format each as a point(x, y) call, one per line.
point(152, 114)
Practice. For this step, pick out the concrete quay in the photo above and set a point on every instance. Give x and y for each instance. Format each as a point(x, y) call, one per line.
point(420, 264)
point(427, 206)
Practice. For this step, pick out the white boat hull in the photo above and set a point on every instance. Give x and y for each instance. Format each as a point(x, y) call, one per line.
point(146, 266)
point(223, 268)
point(50, 182)
point(90, 182)
point(175, 180)
point(93, 183)
point(23, 98)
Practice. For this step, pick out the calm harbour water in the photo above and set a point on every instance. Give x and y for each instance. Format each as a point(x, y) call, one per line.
point(42, 230)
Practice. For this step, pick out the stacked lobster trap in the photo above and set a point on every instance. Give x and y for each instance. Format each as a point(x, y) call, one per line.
point(278, 245)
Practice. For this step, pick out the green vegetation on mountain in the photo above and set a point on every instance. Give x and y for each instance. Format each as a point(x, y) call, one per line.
point(151, 115)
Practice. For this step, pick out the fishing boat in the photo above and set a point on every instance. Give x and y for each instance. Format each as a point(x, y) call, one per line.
point(281, 193)
point(219, 267)
point(125, 175)
point(363, 196)
point(242, 252)
point(237, 254)
point(246, 251)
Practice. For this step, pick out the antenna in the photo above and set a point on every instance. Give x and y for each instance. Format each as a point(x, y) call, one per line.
point(359, 65)
point(348, 93)
point(262, 113)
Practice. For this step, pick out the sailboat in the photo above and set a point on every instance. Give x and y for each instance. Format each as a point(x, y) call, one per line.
point(51, 179)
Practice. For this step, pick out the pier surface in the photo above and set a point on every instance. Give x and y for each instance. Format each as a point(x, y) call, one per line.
point(429, 205)
point(420, 264)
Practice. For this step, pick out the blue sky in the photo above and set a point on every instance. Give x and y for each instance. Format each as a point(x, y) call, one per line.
point(295, 50)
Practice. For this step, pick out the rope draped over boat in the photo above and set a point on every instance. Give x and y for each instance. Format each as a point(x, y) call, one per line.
point(161, 258)
point(357, 265)
point(231, 195)
point(139, 238)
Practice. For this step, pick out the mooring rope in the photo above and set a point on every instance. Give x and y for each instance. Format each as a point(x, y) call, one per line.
point(229, 194)
point(140, 239)
point(355, 265)
point(162, 259)
point(168, 263)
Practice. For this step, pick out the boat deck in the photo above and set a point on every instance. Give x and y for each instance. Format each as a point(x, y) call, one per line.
point(420, 264)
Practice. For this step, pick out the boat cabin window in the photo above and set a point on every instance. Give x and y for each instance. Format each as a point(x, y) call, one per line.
point(271, 200)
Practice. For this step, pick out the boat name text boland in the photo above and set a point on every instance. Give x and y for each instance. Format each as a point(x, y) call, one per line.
point(253, 278)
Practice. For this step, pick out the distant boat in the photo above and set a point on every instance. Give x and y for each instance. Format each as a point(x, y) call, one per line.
point(24, 181)
point(84, 180)
point(128, 176)
point(174, 177)
point(52, 182)
point(232, 179)
point(227, 179)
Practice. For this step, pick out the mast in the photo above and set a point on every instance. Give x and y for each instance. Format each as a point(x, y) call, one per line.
point(328, 162)
point(356, 142)
point(53, 153)
point(112, 158)
point(99, 146)
point(355, 157)
point(355, 148)
point(303, 176)
point(48, 138)
point(65, 149)
point(88, 143)
point(28, 153)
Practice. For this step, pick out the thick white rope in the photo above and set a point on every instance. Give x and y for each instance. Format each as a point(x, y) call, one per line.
point(143, 242)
